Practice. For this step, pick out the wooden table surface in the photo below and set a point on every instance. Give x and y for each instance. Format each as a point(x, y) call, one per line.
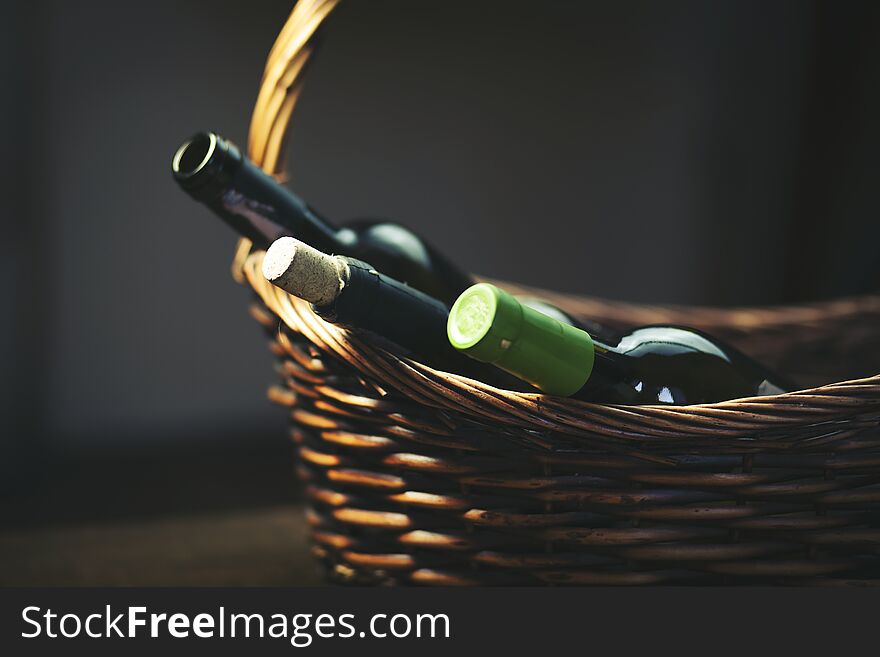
point(254, 547)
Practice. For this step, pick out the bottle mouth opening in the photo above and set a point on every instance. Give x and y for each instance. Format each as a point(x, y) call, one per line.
point(194, 155)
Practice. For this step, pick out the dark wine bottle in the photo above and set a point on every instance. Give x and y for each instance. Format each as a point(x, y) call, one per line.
point(651, 365)
point(351, 293)
point(213, 171)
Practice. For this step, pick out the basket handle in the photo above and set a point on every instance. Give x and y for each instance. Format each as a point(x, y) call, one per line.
point(279, 91)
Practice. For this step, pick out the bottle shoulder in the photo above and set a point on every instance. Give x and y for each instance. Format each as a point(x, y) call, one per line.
point(671, 340)
point(402, 254)
point(384, 238)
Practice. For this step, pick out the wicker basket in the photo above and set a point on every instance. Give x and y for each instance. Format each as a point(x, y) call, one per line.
point(416, 476)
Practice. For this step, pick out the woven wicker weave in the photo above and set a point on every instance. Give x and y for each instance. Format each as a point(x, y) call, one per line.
point(419, 476)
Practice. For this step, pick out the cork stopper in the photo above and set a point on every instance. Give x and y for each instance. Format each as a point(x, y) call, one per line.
point(304, 271)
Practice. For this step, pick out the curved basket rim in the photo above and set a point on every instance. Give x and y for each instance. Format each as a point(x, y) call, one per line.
point(816, 408)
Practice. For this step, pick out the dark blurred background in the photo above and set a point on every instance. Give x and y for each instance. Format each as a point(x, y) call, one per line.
point(687, 152)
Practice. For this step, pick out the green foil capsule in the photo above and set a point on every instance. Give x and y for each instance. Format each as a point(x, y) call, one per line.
point(491, 326)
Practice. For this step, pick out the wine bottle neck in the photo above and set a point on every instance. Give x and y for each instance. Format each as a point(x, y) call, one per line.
point(389, 309)
point(213, 170)
point(352, 293)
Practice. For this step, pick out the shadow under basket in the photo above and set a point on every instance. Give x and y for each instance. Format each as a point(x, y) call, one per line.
point(415, 476)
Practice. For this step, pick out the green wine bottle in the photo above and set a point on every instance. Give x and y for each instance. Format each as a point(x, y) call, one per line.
point(651, 365)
